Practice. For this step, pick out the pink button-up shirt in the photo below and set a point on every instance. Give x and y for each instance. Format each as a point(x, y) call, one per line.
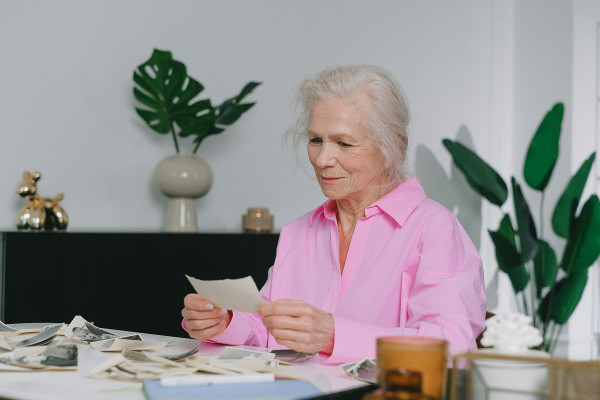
point(411, 270)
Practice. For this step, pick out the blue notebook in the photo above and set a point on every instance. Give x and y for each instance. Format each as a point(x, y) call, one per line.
point(278, 389)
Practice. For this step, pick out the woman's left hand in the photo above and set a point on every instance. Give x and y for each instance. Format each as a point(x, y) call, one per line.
point(299, 325)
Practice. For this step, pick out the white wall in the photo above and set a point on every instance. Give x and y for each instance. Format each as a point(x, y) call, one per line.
point(584, 325)
point(67, 110)
point(481, 71)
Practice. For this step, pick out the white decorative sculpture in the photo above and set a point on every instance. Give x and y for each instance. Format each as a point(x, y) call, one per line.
point(511, 333)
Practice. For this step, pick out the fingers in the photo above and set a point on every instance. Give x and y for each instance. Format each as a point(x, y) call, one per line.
point(192, 314)
point(202, 319)
point(195, 302)
point(294, 308)
point(299, 325)
point(304, 323)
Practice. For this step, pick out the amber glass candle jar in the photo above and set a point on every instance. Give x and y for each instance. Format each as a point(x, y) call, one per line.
point(404, 361)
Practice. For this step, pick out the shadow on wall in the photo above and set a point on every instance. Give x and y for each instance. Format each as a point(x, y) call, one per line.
point(454, 193)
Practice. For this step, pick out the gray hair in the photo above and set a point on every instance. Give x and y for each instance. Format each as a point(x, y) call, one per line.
point(384, 116)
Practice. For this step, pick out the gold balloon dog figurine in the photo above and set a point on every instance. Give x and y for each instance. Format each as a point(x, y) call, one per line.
point(41, 212)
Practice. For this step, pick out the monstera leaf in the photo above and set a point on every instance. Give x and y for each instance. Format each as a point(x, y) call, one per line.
point(165, 89)
point(169, 99)
point(224, 115)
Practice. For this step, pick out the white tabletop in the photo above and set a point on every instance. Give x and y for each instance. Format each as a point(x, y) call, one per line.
point(77, 385)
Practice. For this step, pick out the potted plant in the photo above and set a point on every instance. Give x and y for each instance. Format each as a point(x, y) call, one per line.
point(547, 288)
point(169, 105)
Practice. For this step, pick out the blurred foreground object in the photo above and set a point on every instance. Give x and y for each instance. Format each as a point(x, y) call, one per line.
point(495, 376)
point(411, 368)
point(42, 213)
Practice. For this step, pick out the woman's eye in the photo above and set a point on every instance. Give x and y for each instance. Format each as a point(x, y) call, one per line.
point(315, 140)
point(344, 144)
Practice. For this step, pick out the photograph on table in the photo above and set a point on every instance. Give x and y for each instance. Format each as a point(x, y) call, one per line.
point(120, 369)
point(47, 357)
point(364, 370)
point(44, 337)
point(81, 330)
point(233, 353)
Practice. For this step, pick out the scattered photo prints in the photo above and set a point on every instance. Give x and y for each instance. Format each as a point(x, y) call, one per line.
point(44, 337)
point(120, 369)
point(51, 357)
point(6, 360)
point(81, 330)
point(364, 370)
point(147, 357)
point(6, 328)
point(4, 344)
point(292, 356)
point(143, 356)
point(245, 366)
point(119, 344)
point(233, 353)
point(139, 360)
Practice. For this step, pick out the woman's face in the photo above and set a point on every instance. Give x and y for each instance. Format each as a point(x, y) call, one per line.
point(346, 163)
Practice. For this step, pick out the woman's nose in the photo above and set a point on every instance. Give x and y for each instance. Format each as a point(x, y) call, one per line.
point(326, 157)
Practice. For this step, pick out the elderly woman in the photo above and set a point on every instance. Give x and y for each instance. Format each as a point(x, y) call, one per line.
point(377, 259)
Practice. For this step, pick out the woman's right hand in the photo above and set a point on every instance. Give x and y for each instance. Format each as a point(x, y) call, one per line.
point(202, 319)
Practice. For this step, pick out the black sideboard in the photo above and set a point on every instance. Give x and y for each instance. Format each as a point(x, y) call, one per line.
point(129, 281)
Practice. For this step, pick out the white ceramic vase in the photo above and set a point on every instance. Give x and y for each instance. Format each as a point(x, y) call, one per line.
point(183, 178)
point(510, 380)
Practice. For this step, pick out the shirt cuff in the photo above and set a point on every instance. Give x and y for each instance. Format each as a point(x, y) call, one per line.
point(236, 333)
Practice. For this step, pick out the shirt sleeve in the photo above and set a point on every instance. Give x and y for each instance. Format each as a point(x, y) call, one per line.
point(445, 300)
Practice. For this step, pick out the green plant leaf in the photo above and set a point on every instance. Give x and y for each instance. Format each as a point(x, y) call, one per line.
point(583, 244)
point(561, 301)
point(231, 114)
point(569, 201)
point(543, 149)
point(507, 255)
point(526, 227)
point(230, 110)
point(545, 267)
point(227, 113)
point(480, 176)
point(167, 92)
point(249, 88)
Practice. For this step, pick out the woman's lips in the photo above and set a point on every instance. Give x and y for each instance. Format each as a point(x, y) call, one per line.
point(329, 179)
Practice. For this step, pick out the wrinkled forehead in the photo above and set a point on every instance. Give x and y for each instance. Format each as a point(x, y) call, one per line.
point(355, 108)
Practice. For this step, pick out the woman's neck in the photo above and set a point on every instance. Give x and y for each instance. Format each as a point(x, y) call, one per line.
point(349, 212)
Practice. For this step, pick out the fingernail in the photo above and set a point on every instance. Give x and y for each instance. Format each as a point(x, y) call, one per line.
point(223, 312)
point(209, 306)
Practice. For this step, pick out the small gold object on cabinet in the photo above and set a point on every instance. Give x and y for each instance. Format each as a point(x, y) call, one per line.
point(41, 213)
point(257, 220)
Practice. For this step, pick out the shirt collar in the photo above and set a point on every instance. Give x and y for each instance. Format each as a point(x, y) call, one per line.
point(328, 209)
point(398, 204)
